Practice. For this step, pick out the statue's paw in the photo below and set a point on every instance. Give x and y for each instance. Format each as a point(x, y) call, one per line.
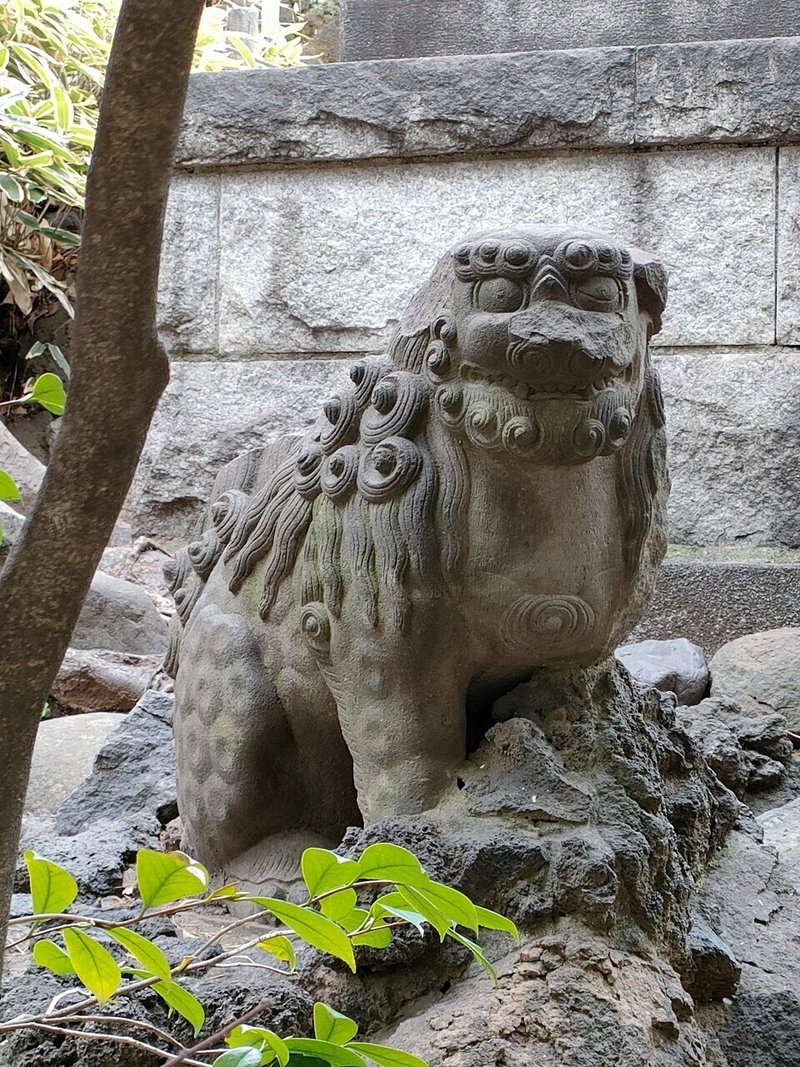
point(271, 869)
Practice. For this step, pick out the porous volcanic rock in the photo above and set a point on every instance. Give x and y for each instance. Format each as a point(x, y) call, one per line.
point(133, 772)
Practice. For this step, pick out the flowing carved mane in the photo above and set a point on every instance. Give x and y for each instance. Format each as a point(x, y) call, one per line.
point(377, 492)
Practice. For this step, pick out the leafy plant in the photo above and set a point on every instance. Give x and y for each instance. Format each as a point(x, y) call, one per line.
point(53, 56)
point(333, 919)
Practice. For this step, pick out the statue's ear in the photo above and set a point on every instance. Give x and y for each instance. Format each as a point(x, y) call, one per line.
point(651, 281)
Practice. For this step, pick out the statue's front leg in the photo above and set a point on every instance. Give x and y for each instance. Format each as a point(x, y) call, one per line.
point(401, 704)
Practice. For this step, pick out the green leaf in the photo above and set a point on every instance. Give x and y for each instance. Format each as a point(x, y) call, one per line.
point(379, 936)
point(336, 1055)
point(240, 1057)
point(52, 888)
point(281, 948)
point(452, 904)
point(94, 965)
point(143, 950)
point(63, 237)
point(164, 877)
point(262, 1039)
point(314, 928)
point(331, 1025)
point(390, 863)
point(395, 904)
point(225, 892)
point(11, 187)
point(59, 359)
point(339, 905)
point(48, 954)
point(30, 220)
point(492, 920)
point(476, 950)
point(385, 1056)
point(324, 870)
point(49, 392)
point(9, 491)
point(427, 909)
point(182, 1001)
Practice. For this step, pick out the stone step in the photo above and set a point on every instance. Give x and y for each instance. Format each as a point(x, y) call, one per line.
point(714, 601)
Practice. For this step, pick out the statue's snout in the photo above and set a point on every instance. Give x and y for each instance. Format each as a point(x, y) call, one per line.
point(553, 346)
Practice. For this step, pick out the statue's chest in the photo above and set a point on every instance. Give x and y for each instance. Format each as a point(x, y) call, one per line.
point(546, 569)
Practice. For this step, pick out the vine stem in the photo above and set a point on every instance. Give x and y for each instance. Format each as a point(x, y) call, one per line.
point(220, 1035)
point(120, 1039)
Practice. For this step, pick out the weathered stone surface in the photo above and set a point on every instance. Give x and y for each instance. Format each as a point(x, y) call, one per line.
point(141, 562)
point(747, 754)
point(709, 213)
point(787, 326)
point(101, 680)
point(134, 771)
point(716, 969)
point(187, 293)
point(443, 106)
point(761, 672)
point(781, 828)
point(379, 29)
point(713, 602)
point(734, 434)
point(743, 91)
point(97, 856)
point(675, 666)
point(748, 899)
point(119, 615)
point(191, 436)
point(62, 759)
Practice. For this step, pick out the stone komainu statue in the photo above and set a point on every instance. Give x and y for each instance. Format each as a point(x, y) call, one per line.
point(487, 498)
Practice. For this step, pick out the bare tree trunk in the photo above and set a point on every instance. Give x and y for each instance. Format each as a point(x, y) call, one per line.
point(119, 372)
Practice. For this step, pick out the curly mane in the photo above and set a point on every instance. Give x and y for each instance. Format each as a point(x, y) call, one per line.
point(375, 495)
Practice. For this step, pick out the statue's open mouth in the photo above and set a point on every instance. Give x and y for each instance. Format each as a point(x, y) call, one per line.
point(549, 390)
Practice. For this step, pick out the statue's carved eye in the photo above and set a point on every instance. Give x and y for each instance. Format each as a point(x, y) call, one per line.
point(598, 294)
point(499, 295)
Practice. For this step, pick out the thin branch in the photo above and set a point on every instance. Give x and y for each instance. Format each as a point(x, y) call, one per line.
point(120, 1039)
point(220, 1035)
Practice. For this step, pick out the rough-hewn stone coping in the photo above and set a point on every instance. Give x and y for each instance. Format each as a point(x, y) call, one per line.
point(744, 92)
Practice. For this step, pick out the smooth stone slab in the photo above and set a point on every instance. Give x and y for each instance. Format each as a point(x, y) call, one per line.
point(334, 280)
point(734, 446)
point(63, 757)
point(781, 828)
point(761, 672)
point(209, 414)
point(380, 29)
point(190, 251)
point(788, 248)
